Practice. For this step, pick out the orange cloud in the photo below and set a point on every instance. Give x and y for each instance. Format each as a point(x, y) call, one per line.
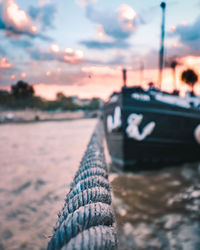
point(84, 2)
point(54, 53)
point(101, 70)
point(48, 73)
point(44, 2)
point(4, 64)
point(54, 48)
point(127, 15)
point(173, 28)
point(100, 31)
point(191, 61)
point(72, 56)
point(16, 19)
point(101, 81)
point(13, 77)
point(23, 75)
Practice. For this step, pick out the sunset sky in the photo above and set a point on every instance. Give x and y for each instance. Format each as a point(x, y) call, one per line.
point(80, 46)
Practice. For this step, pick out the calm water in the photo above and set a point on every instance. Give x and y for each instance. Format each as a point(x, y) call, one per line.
point(154, 210)
point(38, 162)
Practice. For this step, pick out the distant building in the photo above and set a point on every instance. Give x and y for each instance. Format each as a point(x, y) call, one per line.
point(80, 102)
point(85, 101)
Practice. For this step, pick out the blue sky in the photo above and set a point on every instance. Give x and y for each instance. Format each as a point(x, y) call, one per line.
point(65, 43)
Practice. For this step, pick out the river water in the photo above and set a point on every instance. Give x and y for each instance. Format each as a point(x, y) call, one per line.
point(154, 209)
point(37, 164)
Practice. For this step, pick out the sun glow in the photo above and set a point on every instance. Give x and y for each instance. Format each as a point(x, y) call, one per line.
point(191, 61)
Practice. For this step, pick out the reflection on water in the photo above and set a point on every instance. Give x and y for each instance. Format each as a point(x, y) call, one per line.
point(158, 209)
point(37, 164)
point(154, 210)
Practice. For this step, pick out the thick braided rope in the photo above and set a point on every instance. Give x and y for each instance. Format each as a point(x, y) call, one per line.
point(86, 220)
point(100, 237)
point(89, 182)
point(91, 195)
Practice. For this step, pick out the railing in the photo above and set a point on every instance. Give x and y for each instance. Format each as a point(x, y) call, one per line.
point(86, 221)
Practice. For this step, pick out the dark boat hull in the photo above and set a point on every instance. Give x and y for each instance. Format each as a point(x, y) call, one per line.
point(163, 134)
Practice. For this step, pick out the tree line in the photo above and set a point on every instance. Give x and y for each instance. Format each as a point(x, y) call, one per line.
point(189, 76)
point(22, 96)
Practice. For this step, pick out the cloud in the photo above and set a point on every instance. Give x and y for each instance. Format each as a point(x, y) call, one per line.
point(42, 55)
point(69, 55)
point(84, 2)
point(3, 52)
point(101, 70)
point(68, 78)
point(116, 60)
point(189, 35)
point(95, 44)
point(114, 27)
point(119, 24)
point(15, 20)
point(44, 14)
point(21, 43)
point(5, 64)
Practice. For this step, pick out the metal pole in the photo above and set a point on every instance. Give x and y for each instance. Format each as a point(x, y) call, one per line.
point(124, 77)
point(161, 58)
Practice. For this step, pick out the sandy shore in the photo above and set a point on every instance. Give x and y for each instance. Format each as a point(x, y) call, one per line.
point(29, 115)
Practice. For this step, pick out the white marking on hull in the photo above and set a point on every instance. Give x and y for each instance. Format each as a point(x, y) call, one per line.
point(141, 97)
point(197, 133)
point(115, 121)
point(132, 129)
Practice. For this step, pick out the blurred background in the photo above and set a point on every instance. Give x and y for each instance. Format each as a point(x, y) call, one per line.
point(59, 62)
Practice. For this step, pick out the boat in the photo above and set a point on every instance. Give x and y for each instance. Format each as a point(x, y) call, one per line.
point(152, 127)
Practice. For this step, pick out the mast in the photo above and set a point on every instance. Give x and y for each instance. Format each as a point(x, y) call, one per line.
point(124, 77)
point(161, 56)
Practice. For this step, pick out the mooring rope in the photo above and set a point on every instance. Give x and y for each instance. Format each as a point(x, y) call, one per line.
point(86, 221)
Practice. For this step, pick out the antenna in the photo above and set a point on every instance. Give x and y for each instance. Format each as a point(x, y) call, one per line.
point(161, 61)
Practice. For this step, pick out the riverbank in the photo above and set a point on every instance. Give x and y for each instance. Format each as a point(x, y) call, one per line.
point(30, 115)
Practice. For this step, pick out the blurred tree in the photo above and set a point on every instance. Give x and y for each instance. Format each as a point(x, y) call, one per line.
point(190, 77)
point(63, 102)
point(22, 90)
point(94, 104)
point(60, 96)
